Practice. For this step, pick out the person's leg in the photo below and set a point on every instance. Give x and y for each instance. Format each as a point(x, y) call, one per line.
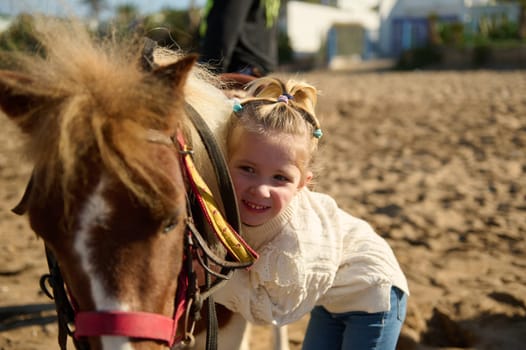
point(225, 22)
point(376, 331)
point(323, 331)
point(256, 52)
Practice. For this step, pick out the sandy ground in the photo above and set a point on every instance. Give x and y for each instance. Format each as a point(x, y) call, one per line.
point(435, 161)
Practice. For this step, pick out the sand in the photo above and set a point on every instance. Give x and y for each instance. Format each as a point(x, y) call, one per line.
point(435, 161)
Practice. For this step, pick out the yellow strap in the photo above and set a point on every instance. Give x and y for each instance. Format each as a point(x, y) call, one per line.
point(228, 236)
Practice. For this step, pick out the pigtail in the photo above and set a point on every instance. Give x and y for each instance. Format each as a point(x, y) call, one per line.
point(265, 88)
point(275, 103)
point(305, 98)
point(305, 95)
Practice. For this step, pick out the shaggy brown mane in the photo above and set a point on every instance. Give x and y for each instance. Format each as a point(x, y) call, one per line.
point(101, 100)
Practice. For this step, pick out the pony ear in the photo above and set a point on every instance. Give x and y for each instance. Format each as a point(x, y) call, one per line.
point(19, 96)
point(146, 61)
point(176, 73)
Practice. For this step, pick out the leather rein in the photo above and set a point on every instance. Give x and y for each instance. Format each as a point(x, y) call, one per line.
point(189, 298)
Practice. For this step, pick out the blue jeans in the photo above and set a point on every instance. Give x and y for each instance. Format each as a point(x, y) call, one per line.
point(356, 330)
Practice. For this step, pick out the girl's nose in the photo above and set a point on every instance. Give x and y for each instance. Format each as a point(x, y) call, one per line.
point(260, 190)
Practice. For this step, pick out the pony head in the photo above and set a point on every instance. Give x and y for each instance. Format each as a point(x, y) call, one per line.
point(107, 199)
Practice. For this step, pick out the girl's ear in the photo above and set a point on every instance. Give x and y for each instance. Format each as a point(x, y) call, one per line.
point(306, 180)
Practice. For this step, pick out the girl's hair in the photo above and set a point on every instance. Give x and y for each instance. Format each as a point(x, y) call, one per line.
point(271, 106)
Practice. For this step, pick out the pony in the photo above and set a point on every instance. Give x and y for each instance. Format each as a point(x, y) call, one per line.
point(108, 129)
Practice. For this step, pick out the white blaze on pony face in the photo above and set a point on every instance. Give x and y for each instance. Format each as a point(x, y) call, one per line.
point(116, 343)
point(94, 213)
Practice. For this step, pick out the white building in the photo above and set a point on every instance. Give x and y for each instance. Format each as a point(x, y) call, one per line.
point(380, 28)
point(312, 27)
point(5, 22)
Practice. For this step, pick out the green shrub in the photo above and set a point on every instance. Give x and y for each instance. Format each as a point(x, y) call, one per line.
point(419, 57)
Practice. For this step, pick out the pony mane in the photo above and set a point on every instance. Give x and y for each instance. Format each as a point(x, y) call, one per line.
point(97, 98)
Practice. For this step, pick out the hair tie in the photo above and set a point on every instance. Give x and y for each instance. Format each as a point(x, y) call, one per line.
point(317, 133)
point(285, 98)
point(236, 105)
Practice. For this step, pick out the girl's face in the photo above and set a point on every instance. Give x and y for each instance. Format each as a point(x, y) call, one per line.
point(265, 174)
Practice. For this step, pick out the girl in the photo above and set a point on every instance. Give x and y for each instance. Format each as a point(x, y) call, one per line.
point(313, 256)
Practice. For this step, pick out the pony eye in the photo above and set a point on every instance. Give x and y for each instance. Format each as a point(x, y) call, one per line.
point(169, 225)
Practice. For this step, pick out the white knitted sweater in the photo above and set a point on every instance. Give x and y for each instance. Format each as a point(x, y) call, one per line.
point(313, 253)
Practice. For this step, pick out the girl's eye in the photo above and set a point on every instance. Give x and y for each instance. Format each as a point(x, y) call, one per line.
point(247, 169)
point(281, 178)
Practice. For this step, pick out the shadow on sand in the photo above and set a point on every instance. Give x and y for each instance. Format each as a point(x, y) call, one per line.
point(18, 316)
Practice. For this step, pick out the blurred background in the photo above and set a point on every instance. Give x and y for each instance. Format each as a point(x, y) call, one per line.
point(333, 34)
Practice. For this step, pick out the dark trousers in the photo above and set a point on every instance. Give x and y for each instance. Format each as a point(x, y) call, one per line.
point(237, 37)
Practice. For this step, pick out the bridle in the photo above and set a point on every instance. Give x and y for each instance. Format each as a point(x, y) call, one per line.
point(189, 297)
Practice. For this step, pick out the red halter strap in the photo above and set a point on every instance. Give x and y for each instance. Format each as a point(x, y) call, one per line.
point(127, 324)
point(137, 324)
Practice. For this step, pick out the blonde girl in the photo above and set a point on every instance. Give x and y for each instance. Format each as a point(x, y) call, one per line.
point(314, 257)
